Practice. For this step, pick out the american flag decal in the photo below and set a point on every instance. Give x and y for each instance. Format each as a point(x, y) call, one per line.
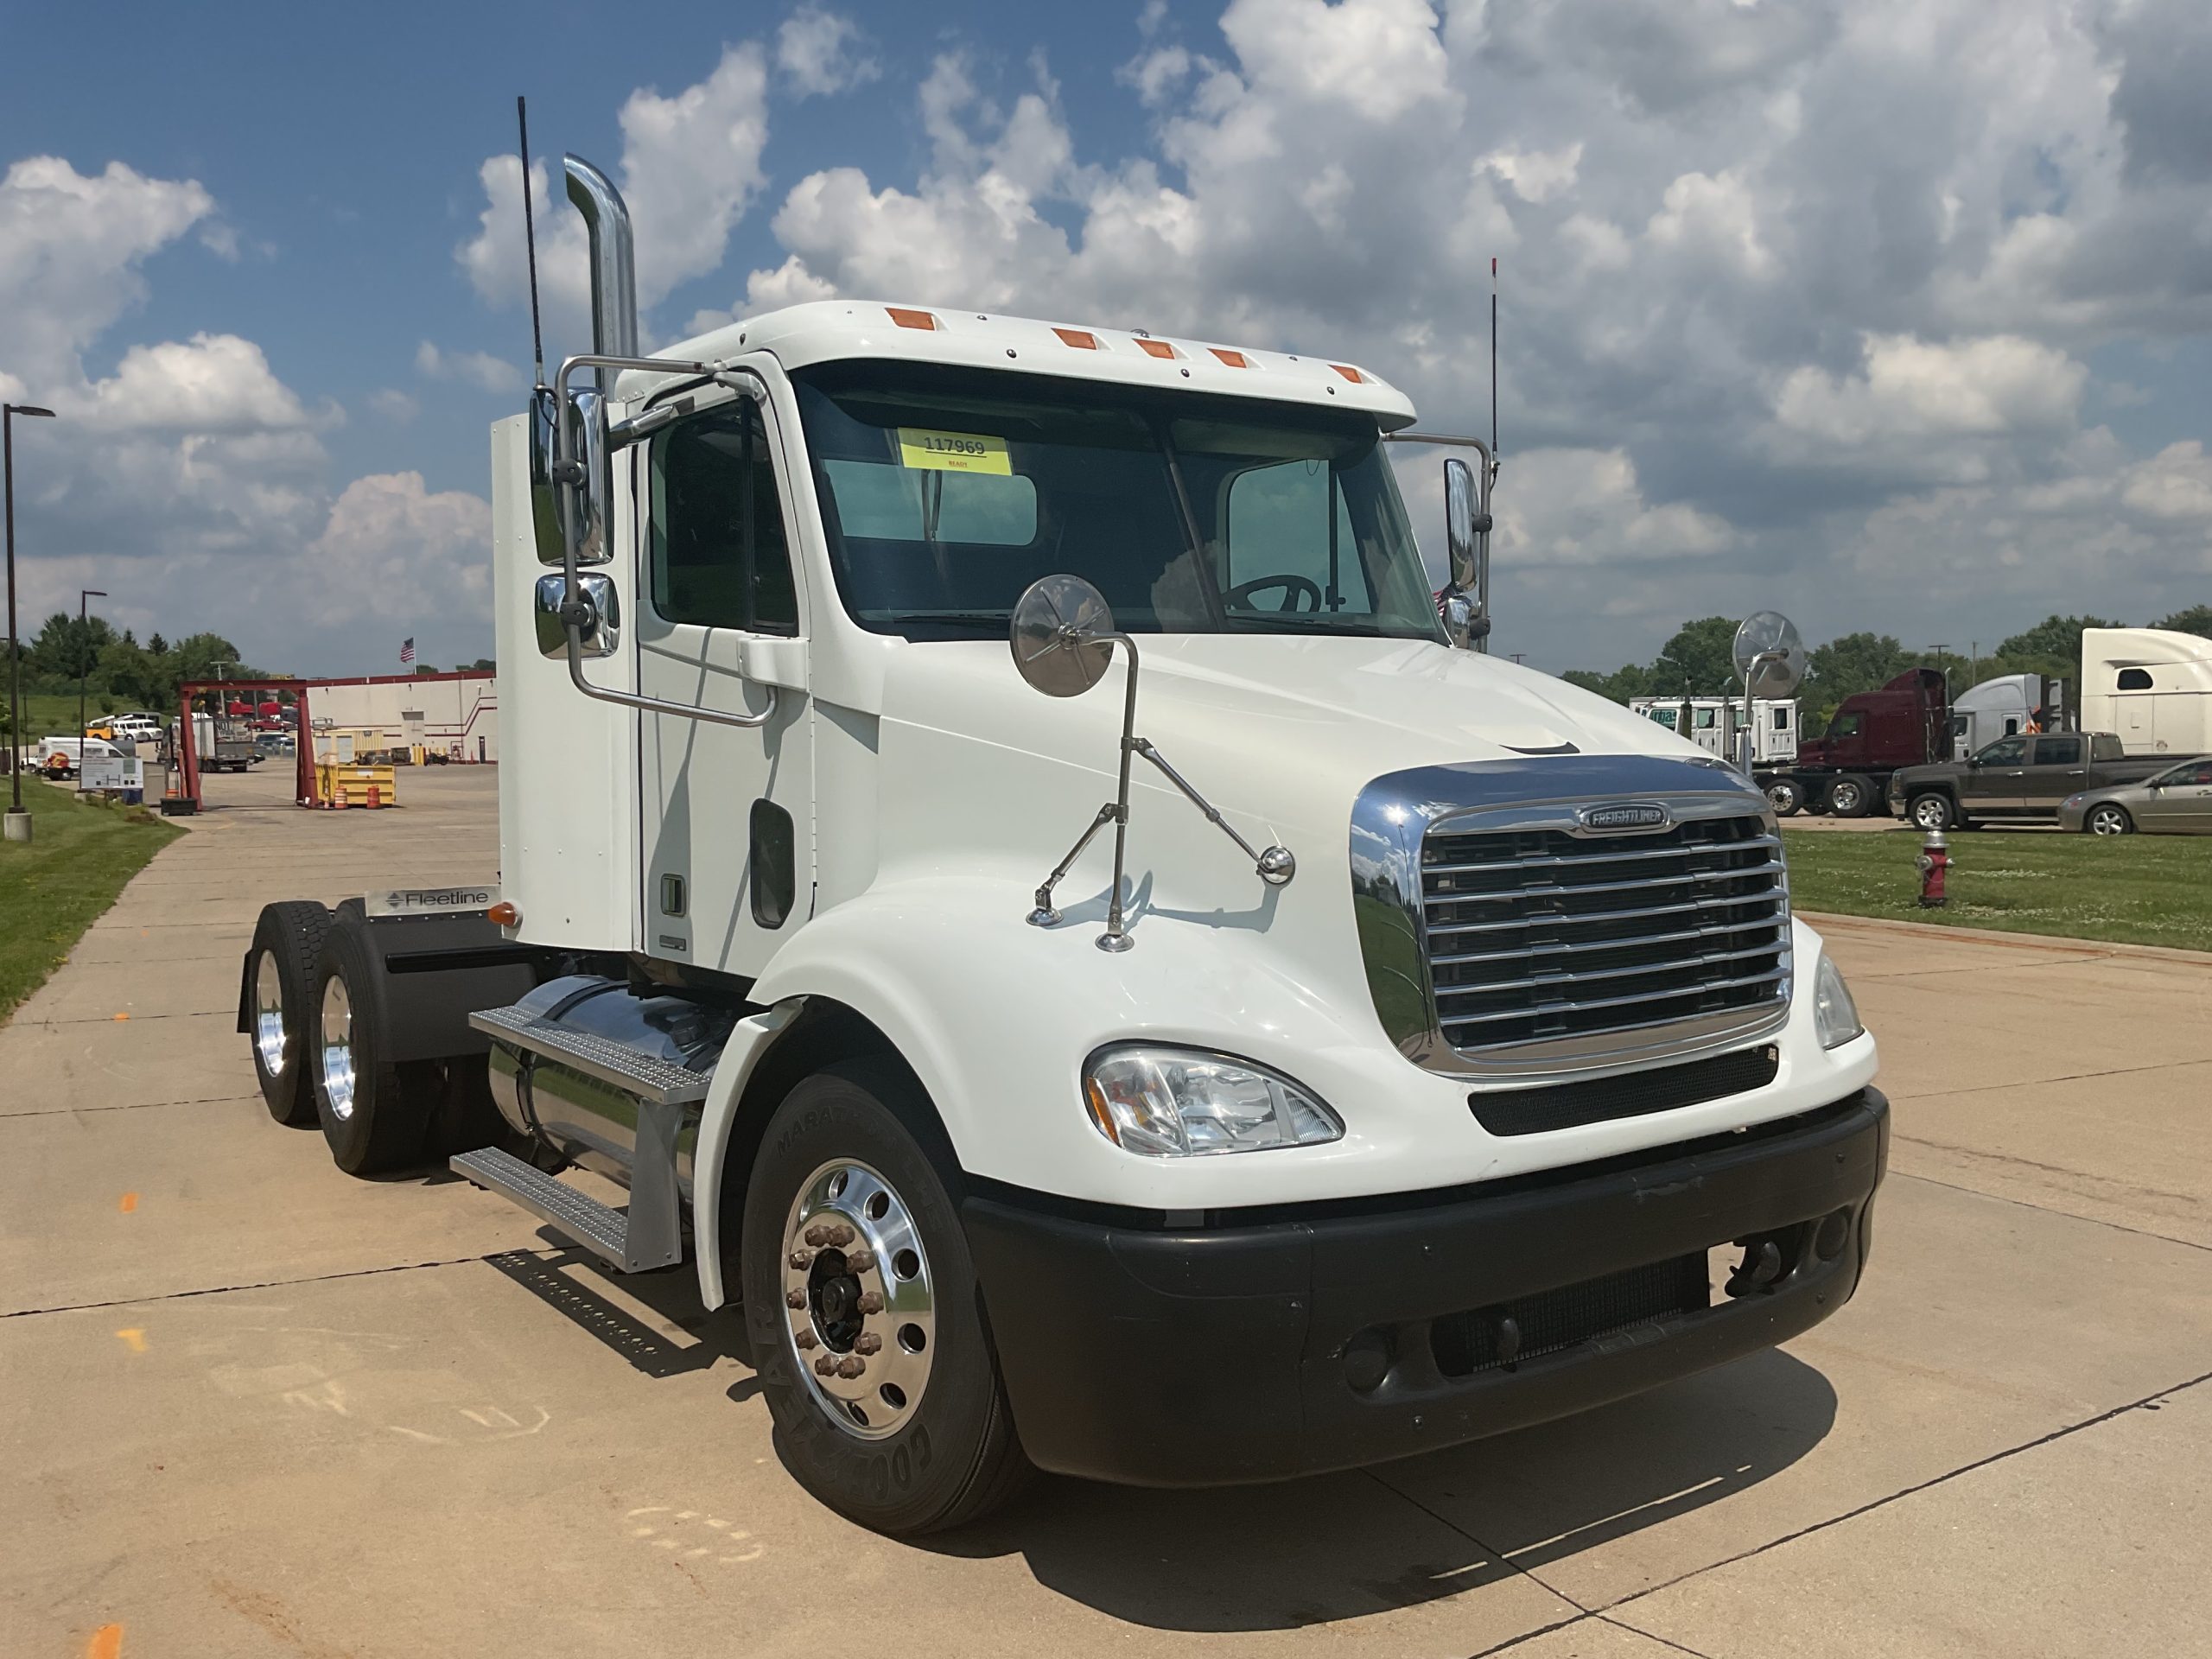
point(407, 651)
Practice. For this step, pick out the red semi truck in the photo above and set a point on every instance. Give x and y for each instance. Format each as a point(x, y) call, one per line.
point(1906, 722)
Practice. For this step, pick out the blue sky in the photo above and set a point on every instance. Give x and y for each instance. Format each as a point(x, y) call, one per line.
point(1893, 315)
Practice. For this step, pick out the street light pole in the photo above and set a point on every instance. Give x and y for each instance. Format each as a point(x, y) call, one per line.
point(19, 821)
point(84, 667)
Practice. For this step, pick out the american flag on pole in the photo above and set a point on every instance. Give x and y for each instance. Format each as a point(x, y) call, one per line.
point(407, 650)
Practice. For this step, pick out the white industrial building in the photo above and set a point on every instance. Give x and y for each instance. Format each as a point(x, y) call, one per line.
point(453, 716)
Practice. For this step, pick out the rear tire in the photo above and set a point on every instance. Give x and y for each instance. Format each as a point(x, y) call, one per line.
point(279, 994)
point(932, 1444)
point(1786, 796)
point(1850, 796)
point(1932, 812)
point(375, 1114)
point(2108, 819)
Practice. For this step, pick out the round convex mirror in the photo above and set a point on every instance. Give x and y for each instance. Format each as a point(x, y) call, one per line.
point(1055, 636)
point(1770, 656)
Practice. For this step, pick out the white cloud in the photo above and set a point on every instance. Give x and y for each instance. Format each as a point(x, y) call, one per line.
point(392, 550)
point(819, 52)
point(212, 384)
point(390, 403)
point(2176, 483)
point(1536, 174)
point(1915, 388)
point(479, 369)
point(1713, 216)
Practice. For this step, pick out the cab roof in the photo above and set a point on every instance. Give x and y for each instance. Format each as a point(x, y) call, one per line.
point(825, 331)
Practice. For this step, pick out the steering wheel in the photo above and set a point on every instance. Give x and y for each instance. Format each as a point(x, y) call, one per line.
point(1293, 589)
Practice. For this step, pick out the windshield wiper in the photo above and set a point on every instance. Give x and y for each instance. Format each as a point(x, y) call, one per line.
point(994, 618)
point(1291, 622)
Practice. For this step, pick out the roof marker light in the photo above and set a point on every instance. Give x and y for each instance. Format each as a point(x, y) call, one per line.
point(1349, 373)
point(1155, 348)
point(1235, 360)
point(908, 318)
point(1080, 338)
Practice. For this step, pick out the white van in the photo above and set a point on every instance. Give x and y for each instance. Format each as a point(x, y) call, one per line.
point(63, 756)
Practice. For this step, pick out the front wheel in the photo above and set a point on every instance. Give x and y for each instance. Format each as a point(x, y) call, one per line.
point(1933, 811)
point(861, 1310)
point(1849, 798)
point(2108, 820)
point(1785, 796)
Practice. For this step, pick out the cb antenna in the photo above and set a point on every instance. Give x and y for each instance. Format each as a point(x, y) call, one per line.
point(530, 245)
point(1493, 365)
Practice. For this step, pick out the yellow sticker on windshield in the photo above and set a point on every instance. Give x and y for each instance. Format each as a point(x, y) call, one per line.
point(953, 452)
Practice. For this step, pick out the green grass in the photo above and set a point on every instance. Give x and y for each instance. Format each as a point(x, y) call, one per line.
point(2133, 889)
point(50, 714)
point(81, 853)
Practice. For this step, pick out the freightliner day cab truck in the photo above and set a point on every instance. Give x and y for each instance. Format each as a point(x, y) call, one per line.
point(1411, 1043)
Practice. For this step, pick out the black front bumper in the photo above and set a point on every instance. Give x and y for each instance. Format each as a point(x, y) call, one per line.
point(1337, 1335)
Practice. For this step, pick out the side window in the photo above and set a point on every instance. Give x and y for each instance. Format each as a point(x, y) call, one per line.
point(1280, 524)
point(2134, 679)
point(2105, 747)
point(1847, 725)
point(2006, 751)
point(1781, 717)
point(1704, 719)
point(2058, 751)
point(719, 557)
point(2203, 774)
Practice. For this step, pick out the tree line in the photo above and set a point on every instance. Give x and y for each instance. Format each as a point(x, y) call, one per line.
point(1698, 661)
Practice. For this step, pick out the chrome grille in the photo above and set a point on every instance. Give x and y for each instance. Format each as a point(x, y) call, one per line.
point(1537, 934)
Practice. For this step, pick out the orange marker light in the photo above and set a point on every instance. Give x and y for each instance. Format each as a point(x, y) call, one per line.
point(907, 319)
point(1155, 348)
point(1235, 360)
point(1078, 338)
point(505, 914)
point(1349, 373)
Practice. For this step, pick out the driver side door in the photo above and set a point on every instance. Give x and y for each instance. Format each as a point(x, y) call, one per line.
point(1996, 779)
point(1289, 543)
point(729, 836)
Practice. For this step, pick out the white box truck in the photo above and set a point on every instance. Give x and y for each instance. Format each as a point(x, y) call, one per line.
point(1716, 723)
point(1403, 1039)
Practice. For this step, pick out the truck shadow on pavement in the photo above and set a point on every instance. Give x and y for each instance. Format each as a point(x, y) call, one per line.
point(1349, 1546)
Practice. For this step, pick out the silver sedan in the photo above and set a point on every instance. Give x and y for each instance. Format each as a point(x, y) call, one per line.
point(2175, 801)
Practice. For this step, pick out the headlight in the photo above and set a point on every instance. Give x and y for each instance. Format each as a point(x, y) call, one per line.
point(1835, 1016)
point(1179, 1103)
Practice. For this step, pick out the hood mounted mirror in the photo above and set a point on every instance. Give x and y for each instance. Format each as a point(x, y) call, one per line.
point(1063, 637)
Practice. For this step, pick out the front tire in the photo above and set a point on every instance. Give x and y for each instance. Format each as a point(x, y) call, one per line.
point(1933, 811)
point(1849, 797)
point(2108, 819)
point(882, 1383)
point(1786, 796)
point(375, 1114)
point(280, 992)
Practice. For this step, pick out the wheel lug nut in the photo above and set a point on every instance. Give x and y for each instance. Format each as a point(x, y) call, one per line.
point(871, 1301)
point(866, 1343)
point(802, 1259)
point(794, 1300)
point(859, 1260)
point(817, 1234)
point(826, 1366)
point(850, 1367)
point(805, 1339)
point(840, 1236)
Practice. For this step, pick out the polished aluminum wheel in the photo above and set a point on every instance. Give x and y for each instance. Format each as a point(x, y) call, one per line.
point(859, 1316)
point(2108, 821)
point(337, 1048)
point(271, 1041)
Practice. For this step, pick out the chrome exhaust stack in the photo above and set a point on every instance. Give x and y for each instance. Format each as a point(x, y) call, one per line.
point(614, 260)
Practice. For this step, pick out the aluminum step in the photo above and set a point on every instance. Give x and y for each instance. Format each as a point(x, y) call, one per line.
point(650, 1080)
point(605, 1232)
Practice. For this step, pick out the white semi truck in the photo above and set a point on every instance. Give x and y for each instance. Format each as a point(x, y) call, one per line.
point(1411, 1048)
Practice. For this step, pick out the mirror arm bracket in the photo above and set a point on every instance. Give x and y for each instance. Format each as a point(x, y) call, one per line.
point(1275, 867)
point(576, 612)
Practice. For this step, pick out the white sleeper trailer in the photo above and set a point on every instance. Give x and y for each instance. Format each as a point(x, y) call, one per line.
point(2005, 707)
point(2152, 686)
point(1404, 1036)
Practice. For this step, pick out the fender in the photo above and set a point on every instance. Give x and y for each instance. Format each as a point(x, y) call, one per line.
point(751, 1039)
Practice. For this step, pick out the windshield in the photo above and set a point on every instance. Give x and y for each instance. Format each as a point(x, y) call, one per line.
point(945, 492)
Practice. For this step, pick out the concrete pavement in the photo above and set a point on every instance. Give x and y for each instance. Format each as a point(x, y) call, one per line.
point(249, 1406)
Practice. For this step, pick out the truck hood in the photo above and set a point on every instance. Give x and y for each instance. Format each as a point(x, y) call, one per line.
point(1280, 732)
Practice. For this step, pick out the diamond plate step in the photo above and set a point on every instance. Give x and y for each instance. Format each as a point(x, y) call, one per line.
point(649, 1079)
point(603, 1231)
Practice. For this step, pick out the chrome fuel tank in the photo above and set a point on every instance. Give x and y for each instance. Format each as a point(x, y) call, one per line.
point(590, 1123)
